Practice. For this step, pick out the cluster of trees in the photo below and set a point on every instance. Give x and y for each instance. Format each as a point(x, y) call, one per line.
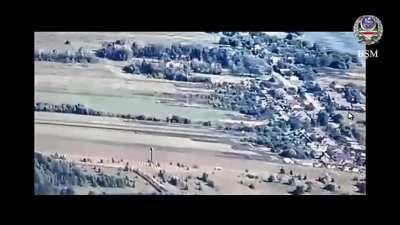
point(287, 144)
point(230, 40)
point(81, 56)
point(237, 98)
point(240, 128)
point(145, 67)
point(55, 176)
point(305, 74)
point(178, 119)
point(205, 178)
point(353, 95)
point(334, 60)
point(323, 118)
point(283, 146)
point(357, 134)
point(209, 60)
point(161, 71)
point(104, 180)
point(312, 87)
point(207, 123)
point(68, 108)
point(174, 52)
point(235, 39)
point(299, 120)
point(317, 56)
point(229, 33)
point(115, 51)
point(83, 110)
point(308, 54)
point(205, 67)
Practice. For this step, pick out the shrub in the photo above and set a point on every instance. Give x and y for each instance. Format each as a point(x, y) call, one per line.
point(271, 178)
point(323, 118)
point(204, 177)
point(291, 181)
point(309, 187)
point(132, 68)
point(337, 118)
point(67, 191)
point(199, 79)
point(336, 64)
point(173, 180)
point(115, 51)
point(299, 190)
point(251, 176)
point(207, 123)
point(224, 41)
point(331, 187)
point(162, 174)
point(126, 168)
point(205, 67)
point(361, 187)
point(210, 183)
point(140, 117)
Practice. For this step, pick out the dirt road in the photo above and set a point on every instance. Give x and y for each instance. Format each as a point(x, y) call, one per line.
point(99, 141)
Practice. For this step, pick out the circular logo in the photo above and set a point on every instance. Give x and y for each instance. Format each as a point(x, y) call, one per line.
point(368, 29)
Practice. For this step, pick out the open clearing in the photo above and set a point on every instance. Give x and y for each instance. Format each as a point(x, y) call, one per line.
point(103, 87)
point(79, 141)
point(93, 40)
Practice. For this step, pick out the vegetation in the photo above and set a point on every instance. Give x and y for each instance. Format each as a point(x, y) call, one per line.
point(210, 183)
point(54, 176)
point(361, 187)
point(160, 70)
point(271, 178)
point(115, 51)
point(83, 110)
point(299, 190)
point(81, 56)
point(323, 118)
point(331, 187)
point(204, 177)
point(309, 186)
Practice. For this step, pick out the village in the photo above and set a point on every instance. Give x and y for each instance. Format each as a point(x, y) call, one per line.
point(283, 102)
point(319, 120)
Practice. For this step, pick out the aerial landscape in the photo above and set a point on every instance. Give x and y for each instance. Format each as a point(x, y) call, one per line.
point(199, 113)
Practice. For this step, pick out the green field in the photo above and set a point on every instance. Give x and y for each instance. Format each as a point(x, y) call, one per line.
point(146, 105)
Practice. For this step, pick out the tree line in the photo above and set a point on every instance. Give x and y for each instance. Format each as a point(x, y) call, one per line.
point(80, 56)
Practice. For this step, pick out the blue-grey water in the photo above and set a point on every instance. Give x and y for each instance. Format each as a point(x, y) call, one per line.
point(340, 41)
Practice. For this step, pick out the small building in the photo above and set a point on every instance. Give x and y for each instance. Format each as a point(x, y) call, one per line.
point(317, 165)
point(356, 146)
point(288, 161)
point(294, 104)
point(359, 107)
point(337, 87)
point(324, 158)
point(331, 166)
